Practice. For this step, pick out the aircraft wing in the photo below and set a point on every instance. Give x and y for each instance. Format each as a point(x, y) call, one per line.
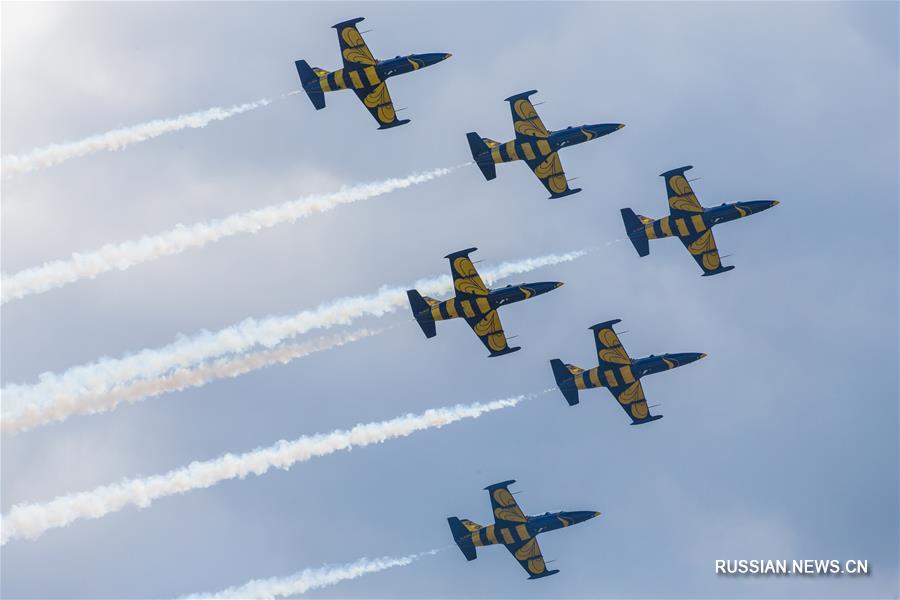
point(528, 553)
point(489, 330)
point(632, 400)
point(615, 371)
point(610, 353)
point(549, 170)
point(377, 99)
point(354, 51)
point(682, 201)
point(702, 247)
point(526, 122)
point(506, 511)
point(467, 282)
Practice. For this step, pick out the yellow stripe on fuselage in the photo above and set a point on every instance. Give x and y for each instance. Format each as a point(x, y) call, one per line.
point(507, 536)
point(467, 308)
point(483, 305)
point(356, 80)
point(371, 75)
point(495, 155)
point(543, 147)
point(491, 536)
point(522, 532)
point(626, 374)
point(451, 308)
point(699, 225)
point(323, 83)
point(511, 151)
point(649, 231)
point(595, 377)
point(664, 225)
point(610, 377)
point(528, 151)
point(339, 79)
point(682, 227)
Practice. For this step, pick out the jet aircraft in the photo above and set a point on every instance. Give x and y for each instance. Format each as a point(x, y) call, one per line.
point(514, 530)
point(534, 144)
point(363, 74)
point(618, 372)
point(474, 302)
point(689, 222)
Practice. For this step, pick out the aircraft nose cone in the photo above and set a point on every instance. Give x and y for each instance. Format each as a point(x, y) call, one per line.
point(604, 129)
point(433, 57)
point(545, 286)
point(582, 515)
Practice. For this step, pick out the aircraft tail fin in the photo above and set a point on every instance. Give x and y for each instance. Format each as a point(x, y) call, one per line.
point(421, 308)
point(481, 154)
point(634, 226)
point(462, 536)
point(563, 374)
point(309, 79)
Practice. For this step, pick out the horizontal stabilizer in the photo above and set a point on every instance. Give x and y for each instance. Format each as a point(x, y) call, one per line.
point(421, 310)
point(462, 537)
point(564, 381)
point(634, 227)
point(309, 81)
point(481, 154)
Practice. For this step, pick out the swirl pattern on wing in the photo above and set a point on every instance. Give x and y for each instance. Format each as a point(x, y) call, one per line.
point(615, 355)
point(639, 410)
point(467, 280)
point(680, 185)
point(550, 167)
point(608, 338)
point(704, 243)
point(632, 393)
point(529, 549)
point(507, 509)
point(489, 324)
point(356, 50)
point(711, 260)
point(529, 122)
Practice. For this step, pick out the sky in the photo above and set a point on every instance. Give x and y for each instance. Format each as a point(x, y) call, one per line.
point(781, 444)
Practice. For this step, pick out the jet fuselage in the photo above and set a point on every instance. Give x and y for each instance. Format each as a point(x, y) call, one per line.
point(701, 221)
point(532, 526)
point(368, 76)
point(529, 150)
point(628, 374)
point(481, 305)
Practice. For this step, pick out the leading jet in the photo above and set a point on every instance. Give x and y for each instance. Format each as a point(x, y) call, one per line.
point(363, 74)
point(617, 372)
point(689, 222)
point(514, 530)
point(534, 144)
point(475, 303)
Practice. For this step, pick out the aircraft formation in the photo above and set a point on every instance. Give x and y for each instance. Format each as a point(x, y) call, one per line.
point(478, 305)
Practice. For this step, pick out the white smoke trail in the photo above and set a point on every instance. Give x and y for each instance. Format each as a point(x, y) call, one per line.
point(118, 139)
point(31, 520)
point(60, 408)
point(123, 256)
point(311, 579)
point(103, 375)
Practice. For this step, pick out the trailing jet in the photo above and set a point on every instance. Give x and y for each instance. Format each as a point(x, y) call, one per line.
point(514, 530)
point(474, 302)
point(689, 222)
point(363, 74)
point(618, 372)
point(534, 144)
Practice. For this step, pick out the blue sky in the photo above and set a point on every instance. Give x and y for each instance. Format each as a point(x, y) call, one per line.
point(783, 443)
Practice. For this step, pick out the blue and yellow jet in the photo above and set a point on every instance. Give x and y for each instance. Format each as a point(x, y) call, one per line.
point(534, 144)
point(363, 74)
point(618, 372)
point(474, 302)
point(514, 530)
point(689, 222)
